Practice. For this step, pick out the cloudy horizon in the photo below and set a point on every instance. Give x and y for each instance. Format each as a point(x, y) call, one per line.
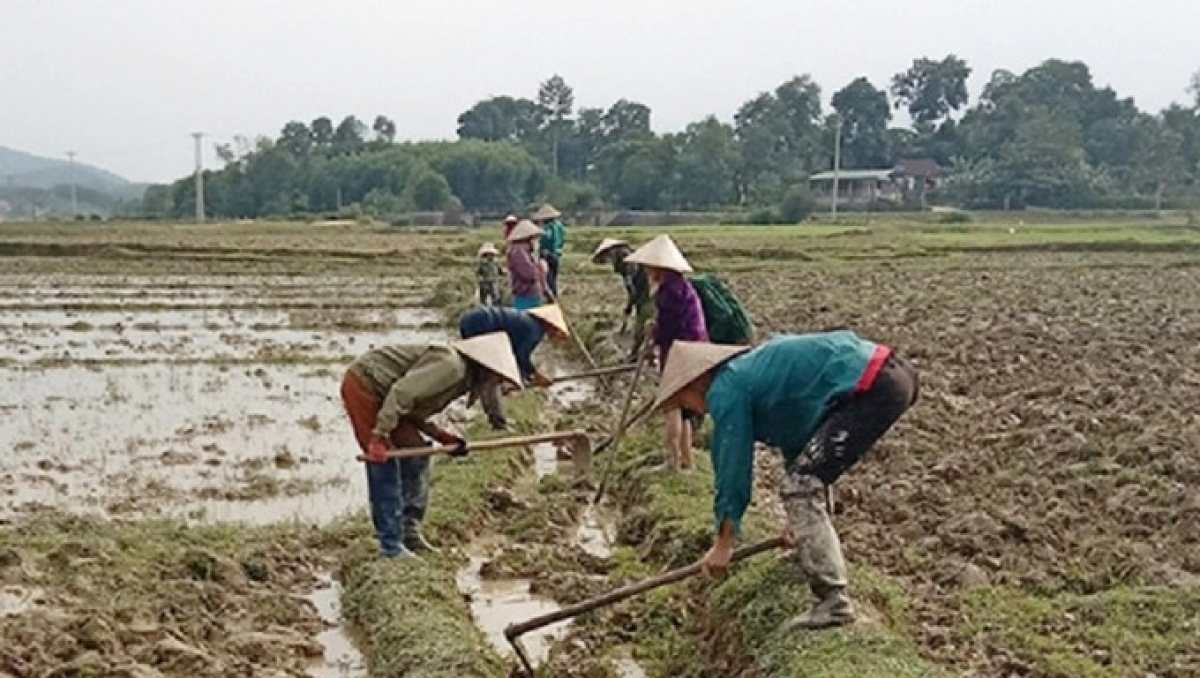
point(126, 82)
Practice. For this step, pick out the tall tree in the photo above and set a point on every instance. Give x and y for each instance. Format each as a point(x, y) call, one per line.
point(625, 119)
point(864, 114)
point(781, 136)
point(556, 100)
point(385, 129)
point(931, 90)
point(296, 139)
point(708, 165)
point(349, 136)
point(322, 132)
point(501, 118)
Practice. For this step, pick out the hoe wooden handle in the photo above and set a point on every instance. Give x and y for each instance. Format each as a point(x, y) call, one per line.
point(492, 444)
point(515, 631)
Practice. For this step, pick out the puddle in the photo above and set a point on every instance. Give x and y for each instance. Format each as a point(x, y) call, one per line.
point(545, 459)
point(15, 600)
point(342, 658)
point(496, 604)
point(592, 535)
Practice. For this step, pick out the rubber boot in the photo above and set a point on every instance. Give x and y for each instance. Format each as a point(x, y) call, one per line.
point(415, 541)
point(819, 555)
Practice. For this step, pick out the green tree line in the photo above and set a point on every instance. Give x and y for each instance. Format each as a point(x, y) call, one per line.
point(1048, 137)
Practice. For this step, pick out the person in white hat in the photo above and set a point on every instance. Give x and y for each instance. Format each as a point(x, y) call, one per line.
point(679, 316)
point(638, 304)
point(554, 238)
point(487, 275)
point(525, 330)
point(389, 393)
point(822, 400)
point(510, 222)
point(524, 274)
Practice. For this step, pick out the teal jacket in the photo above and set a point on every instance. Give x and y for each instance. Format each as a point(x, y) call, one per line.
point(554, 236)
point(777, 394)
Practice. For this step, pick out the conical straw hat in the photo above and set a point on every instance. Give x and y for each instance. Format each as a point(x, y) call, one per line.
point(606, 245)
point(494, 352)
point(524, 231)
point(546, 211)
point(487, 248)
point(511, 219)
point(552, 315)
point(688, 361)
point(660, 253)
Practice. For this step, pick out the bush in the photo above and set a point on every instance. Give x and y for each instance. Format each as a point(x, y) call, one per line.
point(797, 204)
point(955, 217)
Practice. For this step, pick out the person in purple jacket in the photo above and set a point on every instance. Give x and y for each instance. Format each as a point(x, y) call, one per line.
point(679, 317)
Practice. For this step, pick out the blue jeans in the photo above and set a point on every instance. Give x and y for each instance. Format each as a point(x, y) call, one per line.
point(399, 493)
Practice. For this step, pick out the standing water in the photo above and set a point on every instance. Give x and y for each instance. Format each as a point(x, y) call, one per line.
point(342, 659)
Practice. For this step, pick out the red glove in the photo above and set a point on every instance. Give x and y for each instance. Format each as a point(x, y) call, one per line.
point(447, 438)
point(377, 451)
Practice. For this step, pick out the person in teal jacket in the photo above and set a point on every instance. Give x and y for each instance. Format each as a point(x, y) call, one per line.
point(554, 237)
point(822, 400)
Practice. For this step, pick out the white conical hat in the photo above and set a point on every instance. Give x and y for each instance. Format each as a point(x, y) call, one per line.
point(688, 361)
point(552, 315)
point(487, 248)
point(511, 219)
point(494, 352)
point(606, 245)
point(546, 211)
point(660, 253)
point(524, 230)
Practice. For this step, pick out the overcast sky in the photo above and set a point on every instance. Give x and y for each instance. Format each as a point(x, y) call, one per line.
point(124, 82)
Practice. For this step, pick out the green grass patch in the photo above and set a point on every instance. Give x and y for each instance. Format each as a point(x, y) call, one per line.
point(1138, 631)
point(733, 627)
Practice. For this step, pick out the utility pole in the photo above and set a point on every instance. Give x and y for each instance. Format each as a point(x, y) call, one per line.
point(837, 165)
point(199, 178)
point(74, 201)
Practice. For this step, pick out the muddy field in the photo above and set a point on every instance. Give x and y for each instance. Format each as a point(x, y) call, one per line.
point(1033, 516)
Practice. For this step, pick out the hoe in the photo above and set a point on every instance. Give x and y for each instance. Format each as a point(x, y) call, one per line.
point(514, 632)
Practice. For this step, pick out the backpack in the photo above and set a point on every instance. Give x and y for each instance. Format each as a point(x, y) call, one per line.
point(724, 316)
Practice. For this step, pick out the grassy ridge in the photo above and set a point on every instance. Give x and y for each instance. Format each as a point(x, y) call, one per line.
point(414, 619)
point(733, 625)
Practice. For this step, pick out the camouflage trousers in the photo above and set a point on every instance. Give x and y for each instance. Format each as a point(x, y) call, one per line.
point(489, 293)
point(841, 441)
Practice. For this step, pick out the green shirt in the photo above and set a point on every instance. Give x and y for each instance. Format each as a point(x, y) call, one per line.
point(554, 236)
point(414, 381)
point(778, 394)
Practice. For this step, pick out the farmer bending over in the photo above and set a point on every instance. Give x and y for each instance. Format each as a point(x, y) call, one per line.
point(637, 290)
point(680, 317)
point(823, 400)
point(389, 392)
point(525, 330)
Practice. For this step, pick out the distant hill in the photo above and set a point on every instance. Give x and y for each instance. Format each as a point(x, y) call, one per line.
point(24, 170)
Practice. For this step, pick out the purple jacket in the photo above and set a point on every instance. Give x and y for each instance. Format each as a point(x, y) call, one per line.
point(523, 272)
point(680, 315)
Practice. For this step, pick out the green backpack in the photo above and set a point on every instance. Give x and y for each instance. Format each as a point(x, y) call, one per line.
point(724, 316)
